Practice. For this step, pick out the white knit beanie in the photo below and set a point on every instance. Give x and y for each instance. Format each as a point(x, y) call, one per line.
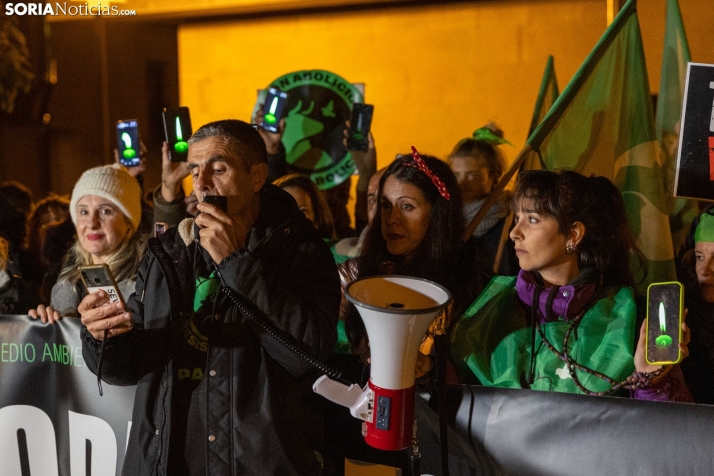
point(114, 183)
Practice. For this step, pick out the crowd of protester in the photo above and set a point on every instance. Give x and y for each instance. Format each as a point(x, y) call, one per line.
point(548, 267)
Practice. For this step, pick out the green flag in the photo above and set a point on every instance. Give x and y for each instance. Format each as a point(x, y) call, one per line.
point(669, 109)
point(603, 123)
point(674, 72)
point(547, 95)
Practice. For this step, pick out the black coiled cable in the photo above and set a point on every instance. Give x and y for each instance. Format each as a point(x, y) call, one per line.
point(277, 334)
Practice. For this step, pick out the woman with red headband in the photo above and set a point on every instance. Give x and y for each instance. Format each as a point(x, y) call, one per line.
point(416, 231)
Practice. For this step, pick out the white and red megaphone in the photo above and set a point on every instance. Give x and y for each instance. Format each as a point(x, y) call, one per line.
point(397, 312)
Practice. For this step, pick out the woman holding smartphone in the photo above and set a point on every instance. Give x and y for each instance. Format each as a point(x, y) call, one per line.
point(106, 211)
point(567, 323)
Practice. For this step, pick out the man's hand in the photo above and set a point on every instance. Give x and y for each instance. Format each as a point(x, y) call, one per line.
point(271, 139)
point(172, 173)
point(98, 315)
point(220, 233)
point(45, 313)
point(641, 364)
point(191, 203)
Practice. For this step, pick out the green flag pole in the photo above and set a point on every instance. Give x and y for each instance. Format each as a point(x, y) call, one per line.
point(548, 88)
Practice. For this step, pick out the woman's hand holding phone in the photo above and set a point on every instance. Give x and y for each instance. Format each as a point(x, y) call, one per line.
point(98, 315)
point(641, 364)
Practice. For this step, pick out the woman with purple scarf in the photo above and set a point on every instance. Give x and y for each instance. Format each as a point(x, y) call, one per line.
point(567, 322)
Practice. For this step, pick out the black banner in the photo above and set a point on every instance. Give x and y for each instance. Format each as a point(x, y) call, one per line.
point(52, 419)
point(543, 433)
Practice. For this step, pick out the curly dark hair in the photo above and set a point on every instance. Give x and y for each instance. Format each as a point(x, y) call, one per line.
point(436, 256)
point(596, 202)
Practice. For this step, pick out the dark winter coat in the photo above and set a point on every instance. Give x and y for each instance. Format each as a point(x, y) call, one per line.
point(260, 413)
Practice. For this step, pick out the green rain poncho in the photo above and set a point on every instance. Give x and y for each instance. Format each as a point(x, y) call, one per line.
point(491, 342)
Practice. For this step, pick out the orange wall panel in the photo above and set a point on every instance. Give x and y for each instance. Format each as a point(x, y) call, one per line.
point(434, 73)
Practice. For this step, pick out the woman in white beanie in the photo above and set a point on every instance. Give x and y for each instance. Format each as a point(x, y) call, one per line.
point(106, 211)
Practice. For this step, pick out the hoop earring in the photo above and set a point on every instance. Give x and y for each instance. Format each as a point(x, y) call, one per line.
point(569, 249)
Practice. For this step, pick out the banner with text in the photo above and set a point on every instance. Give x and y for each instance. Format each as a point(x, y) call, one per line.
point(52, 420)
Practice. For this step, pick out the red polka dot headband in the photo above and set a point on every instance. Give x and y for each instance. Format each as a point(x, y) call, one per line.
point(421, 165)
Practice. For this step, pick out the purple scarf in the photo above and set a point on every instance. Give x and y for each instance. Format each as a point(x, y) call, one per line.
point(568, 301)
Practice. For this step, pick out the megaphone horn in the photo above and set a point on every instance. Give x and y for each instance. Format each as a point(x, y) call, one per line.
point(397, 312)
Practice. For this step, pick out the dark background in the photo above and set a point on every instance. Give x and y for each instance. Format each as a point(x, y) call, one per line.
point(694, 144)
point(88, 75)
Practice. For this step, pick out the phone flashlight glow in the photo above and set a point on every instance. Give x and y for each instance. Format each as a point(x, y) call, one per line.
point(128, 153)
point(270, 116)
point(180, 146)
point(663, 340)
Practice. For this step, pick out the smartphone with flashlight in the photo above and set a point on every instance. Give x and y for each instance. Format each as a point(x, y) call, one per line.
point(98, 277)
point(665, 311)
point(128, 142)
point(177, 130)
point(217, 200)
point(360, 123)
point(273, 109)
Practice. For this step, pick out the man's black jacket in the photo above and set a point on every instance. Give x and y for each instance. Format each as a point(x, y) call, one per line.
point(260, 413)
